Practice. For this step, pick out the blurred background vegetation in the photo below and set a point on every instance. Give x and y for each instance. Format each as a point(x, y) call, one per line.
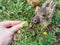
point(21, 10)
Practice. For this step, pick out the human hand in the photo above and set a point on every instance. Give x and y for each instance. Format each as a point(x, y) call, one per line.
point(7, 31)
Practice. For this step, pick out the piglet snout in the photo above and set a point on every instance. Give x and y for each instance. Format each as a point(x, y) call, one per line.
point(36, 20)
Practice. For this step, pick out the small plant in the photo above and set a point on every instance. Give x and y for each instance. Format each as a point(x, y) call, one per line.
point(57, 30)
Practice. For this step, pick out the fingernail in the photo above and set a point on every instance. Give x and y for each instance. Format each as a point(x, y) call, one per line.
point(19, 26)
point(18, 31)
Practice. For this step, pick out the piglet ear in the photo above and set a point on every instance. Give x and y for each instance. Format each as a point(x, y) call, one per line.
point(37, 9)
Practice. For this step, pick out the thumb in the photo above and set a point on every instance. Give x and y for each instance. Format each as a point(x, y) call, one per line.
point(15, 28)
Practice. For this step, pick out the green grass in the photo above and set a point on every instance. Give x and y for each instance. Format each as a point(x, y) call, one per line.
point(21, 10)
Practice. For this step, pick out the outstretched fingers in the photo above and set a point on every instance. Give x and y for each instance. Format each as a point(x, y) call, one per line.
point(9, 23)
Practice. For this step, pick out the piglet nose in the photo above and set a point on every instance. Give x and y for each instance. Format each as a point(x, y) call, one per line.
point(36, 21)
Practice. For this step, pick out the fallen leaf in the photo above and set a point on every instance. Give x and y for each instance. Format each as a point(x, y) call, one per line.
point(34, 3)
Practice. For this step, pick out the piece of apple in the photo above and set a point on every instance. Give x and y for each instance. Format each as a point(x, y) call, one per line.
point(25, 24)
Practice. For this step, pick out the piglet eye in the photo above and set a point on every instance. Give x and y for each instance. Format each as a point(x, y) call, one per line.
point(47, 5)
point(43, 15)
